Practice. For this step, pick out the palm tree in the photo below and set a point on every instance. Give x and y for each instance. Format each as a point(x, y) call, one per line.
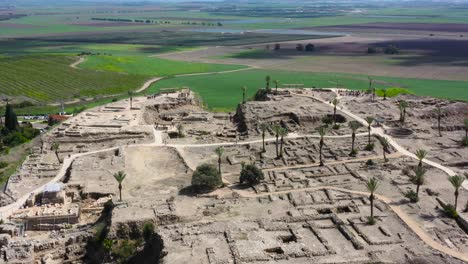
point(402, 105)
point(369, 121)
point(418, 178)
point(282, 132)
point(385, 145)
point(372, 184)
point(244, 89)
point(466, 127)
point(384, 90)
point(55, 147)
point(335, 102)
point(439, 117)
point(219, 152)
point(276, 128)
point(354, 125)
point(456, 181)
point(130, 93)
point(322, 131)
point(263, 127)
point(267, 82)
point(421, 154)
point(276, 85)
point(119, 177)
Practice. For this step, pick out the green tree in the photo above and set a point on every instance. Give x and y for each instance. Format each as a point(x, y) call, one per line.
point(251, 174)
point(55, 147)
point(335, 103)
point(456, 181)
point(421, 155)
point(384, 91)
point(354, 126)
point(371, 89)
point(372, 185)
point(11, 121)
point(119, 177)
point(283, 132)
point(276, 128)
point(418, 179)
point(276, 85)
point(244, 90)
point(402, 105)
point(267, 82)
point(264, 128)
point(369, 120)
point(206, 177)
point(385, 144)
point(219, 152)
point(322, 131)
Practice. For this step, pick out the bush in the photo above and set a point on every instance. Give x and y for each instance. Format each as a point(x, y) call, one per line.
point(206, 177)
point(369, 147)
point(124, 249)
point(261, 95)
point(148, 230)
point(465, 142)
point(412, 196)
point(3, 164)
point(370, 162)
point(371, 50)
point(251, 174)
point(336, 126)
point(371, 220)
point(310, 47)
point(450, 211)
point(392, 49)
point(327, 120)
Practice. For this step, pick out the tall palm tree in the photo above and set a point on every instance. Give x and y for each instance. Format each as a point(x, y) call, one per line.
point(219, 152)
point(421, 155)
point(263, 127)
point(276, 128)
point(335, 103)
point(466, 127)
point(55, 147)
point(372, 185)
point(130, 93)
point(267, 82)
point(370, 87)
point(384, 90)
point(354, 126)
point(439, 117)
point(385, 145)
point(418, 178)
point(322, 131)
point(244, 89)
point(456, 181)
point(119, 177)
point(276, 85)
point(369, 121)
point(283, 132)
point(402, 105)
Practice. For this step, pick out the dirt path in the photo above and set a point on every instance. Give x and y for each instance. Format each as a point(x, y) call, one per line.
point(75, 64)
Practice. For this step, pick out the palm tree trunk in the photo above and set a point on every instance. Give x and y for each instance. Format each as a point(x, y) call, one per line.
point(456, 199)
point(368, 135)
point(120, 192)
point(371, 198)
point(281, 148)
point(384, 155)
point(320, 152)
point(438, 126)
point(276, 145)
point(263, 141)
point(219, 165)
point(417, 190)
point(334, 115)
point(58, 158)
point(352, 143)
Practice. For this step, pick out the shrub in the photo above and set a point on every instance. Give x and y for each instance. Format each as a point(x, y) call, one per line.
point(412, 196)
point(310, 47)
point(336, 126)
point(392, 49)
point(206, 177)
point(2, 222)
point(450, 211)
point(3, 164)
point(251, 174)
point(465, 142)
point(327, 120)
point(148, 230)
point(353, 153)
point(261, 95)
point(370, 162)
point(369, 147)
point(371, 50)
point(124, 249)
point(371, 220)
point(300, 47)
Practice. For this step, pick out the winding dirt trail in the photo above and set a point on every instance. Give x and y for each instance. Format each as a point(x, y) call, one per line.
point(75, 64)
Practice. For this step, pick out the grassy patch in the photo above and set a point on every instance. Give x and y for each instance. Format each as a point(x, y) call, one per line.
point(151, 66)
point(393, 91)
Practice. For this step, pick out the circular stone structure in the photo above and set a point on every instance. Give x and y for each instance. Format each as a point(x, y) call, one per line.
point(399, 132)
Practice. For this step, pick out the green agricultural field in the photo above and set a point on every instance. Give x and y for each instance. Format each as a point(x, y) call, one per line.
point(222, 92)
point(49, 78)
point(151, 66)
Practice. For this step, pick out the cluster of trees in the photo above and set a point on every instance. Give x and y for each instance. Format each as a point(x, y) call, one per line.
point(147, 21)
point(390, 49)
point(208, 24)
point(11, 133)
point(308, 47)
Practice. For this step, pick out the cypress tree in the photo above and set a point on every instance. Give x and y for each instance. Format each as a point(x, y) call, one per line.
point(11, 121)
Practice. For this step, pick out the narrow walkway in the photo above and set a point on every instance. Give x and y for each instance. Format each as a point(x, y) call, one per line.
point(75, 64)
